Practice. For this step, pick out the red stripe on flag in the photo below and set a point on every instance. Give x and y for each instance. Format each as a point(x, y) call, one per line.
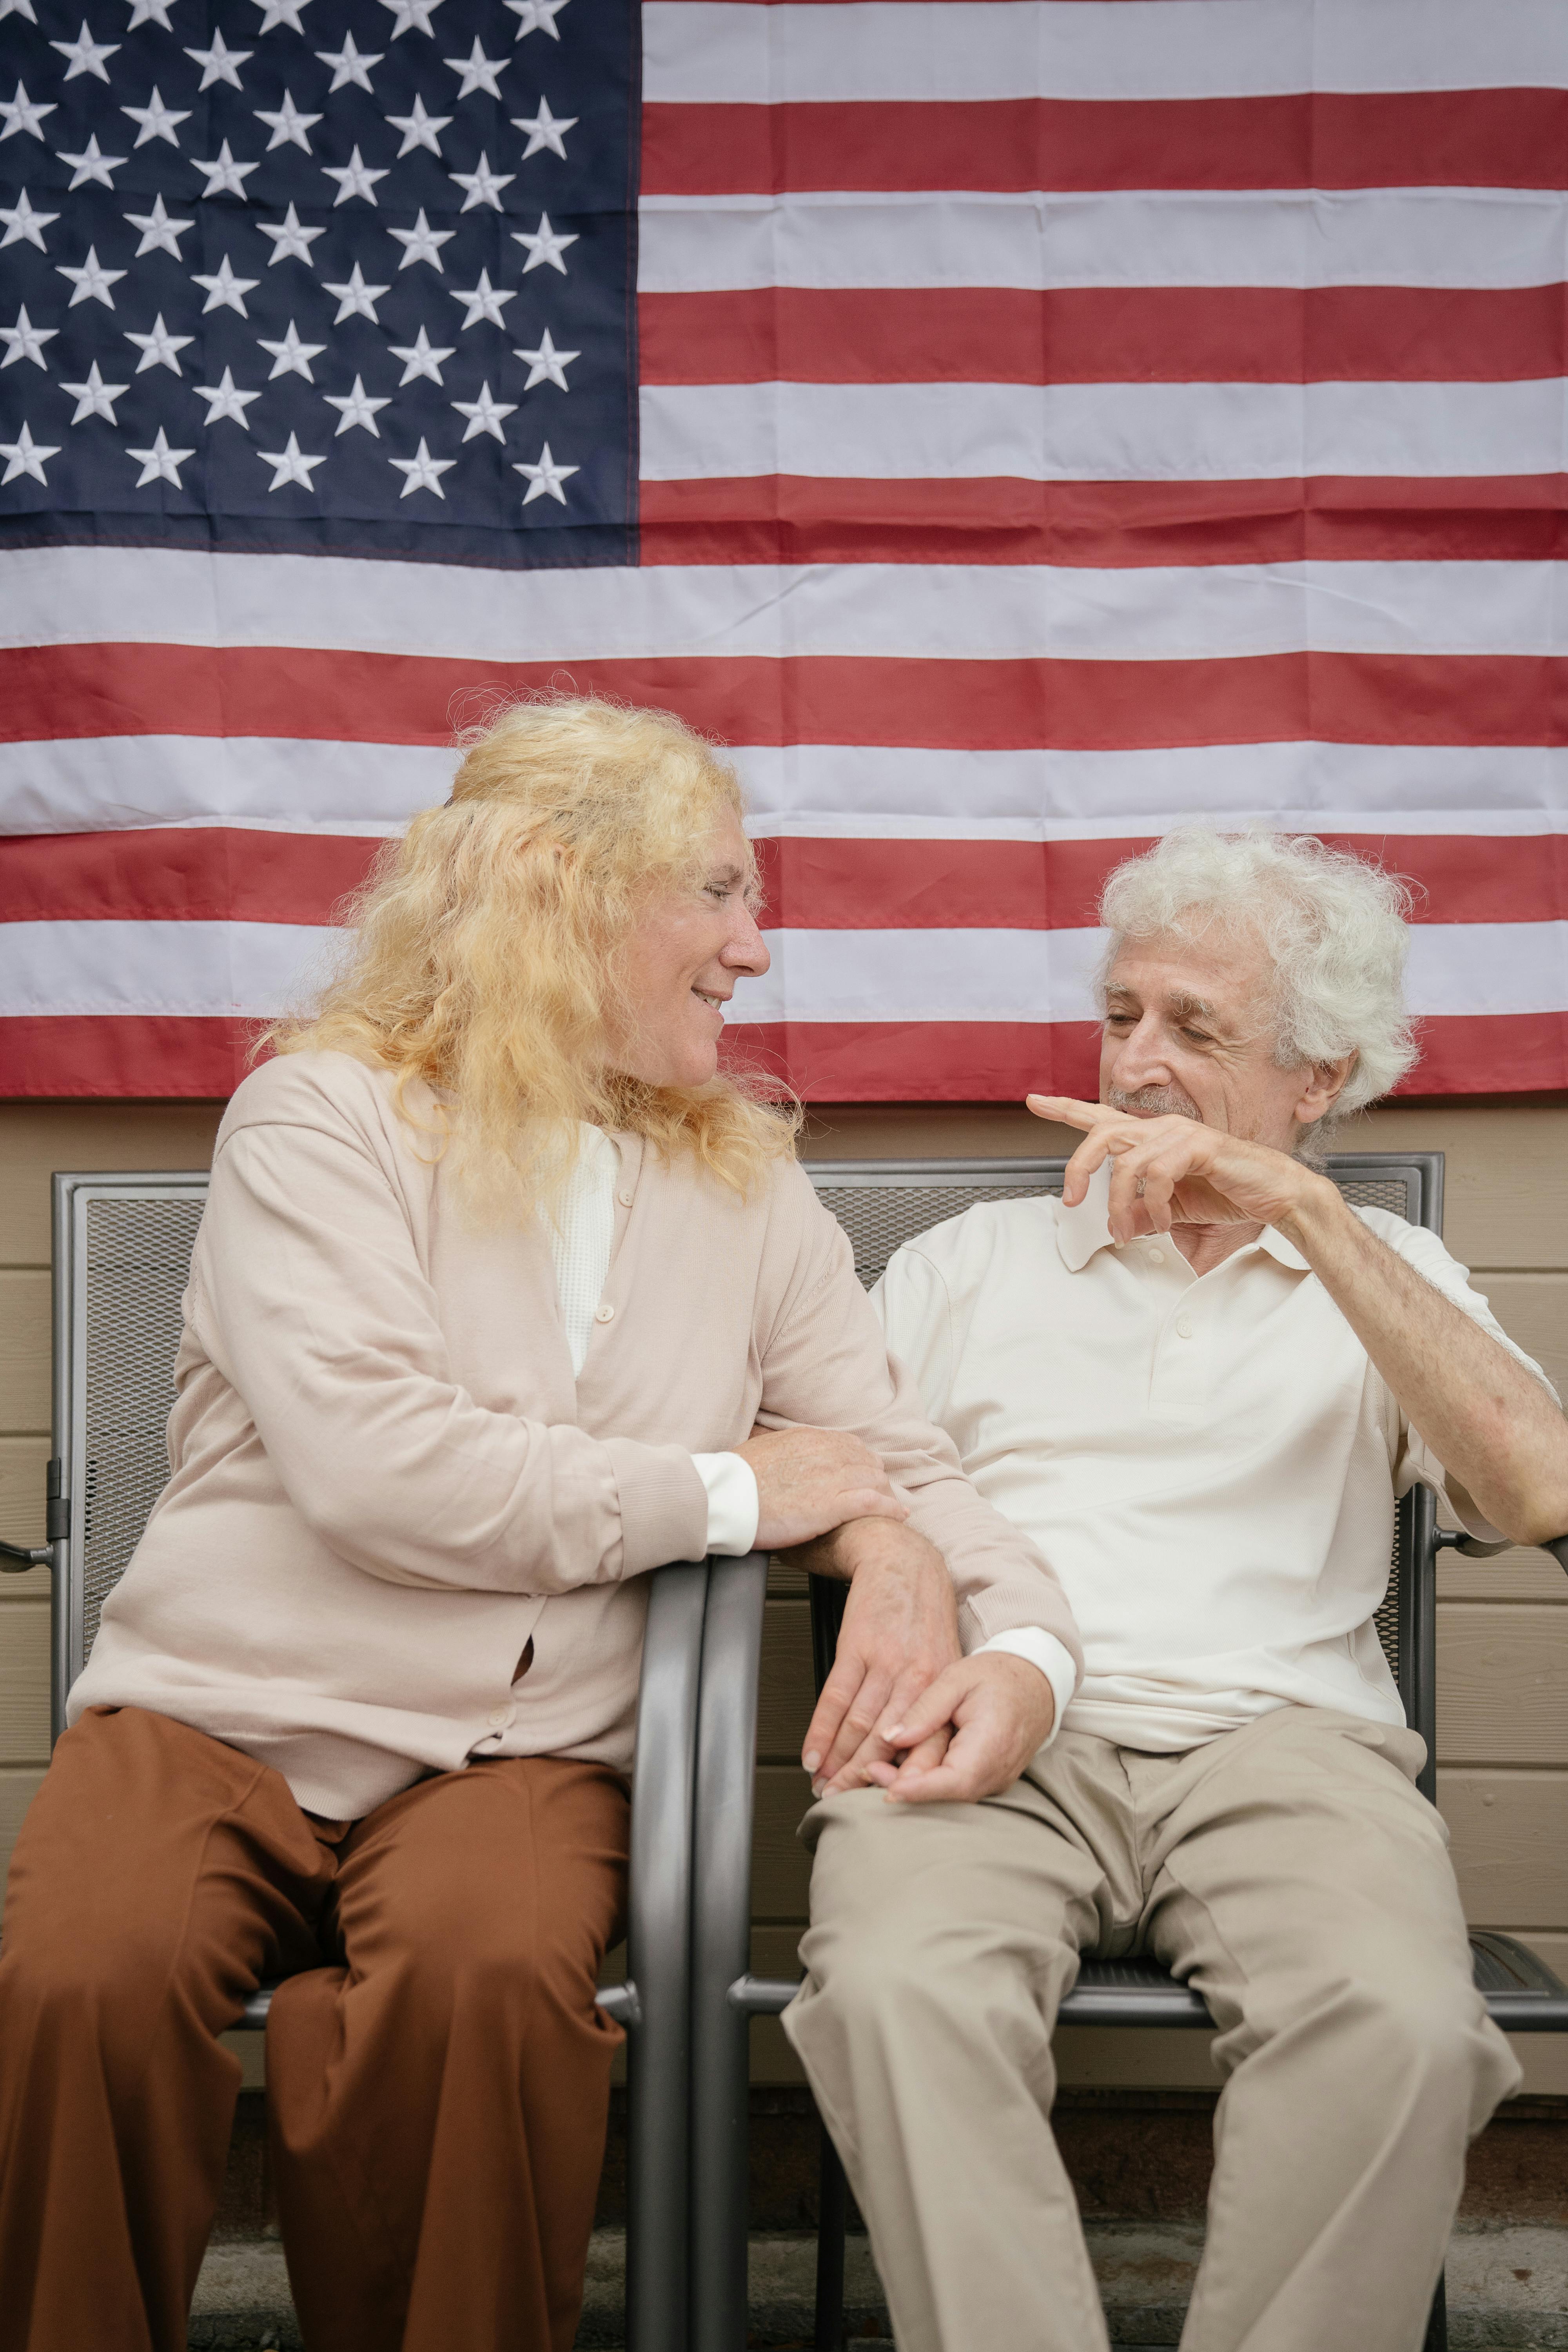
point(797, 519)
point(982, 1061)
point(1448, 138)
point(929, 1061)
point(1104, 334)
point(212, 873)
point(1091, 706)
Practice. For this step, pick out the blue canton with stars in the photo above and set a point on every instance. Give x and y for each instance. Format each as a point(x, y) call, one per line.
point(352, 277)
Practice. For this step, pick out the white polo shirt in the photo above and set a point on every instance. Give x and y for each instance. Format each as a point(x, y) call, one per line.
point(1209, 1463)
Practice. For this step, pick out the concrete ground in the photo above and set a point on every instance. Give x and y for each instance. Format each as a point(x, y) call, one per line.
point(1508, 2291)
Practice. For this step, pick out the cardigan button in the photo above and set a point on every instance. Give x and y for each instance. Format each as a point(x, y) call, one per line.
point(625, 1199)
point(604, 1314)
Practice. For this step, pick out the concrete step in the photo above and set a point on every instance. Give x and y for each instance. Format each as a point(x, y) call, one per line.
point(1508, 2291)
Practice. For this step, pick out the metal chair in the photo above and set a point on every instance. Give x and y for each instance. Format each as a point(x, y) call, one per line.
point(882, 1204)
point(122, 1256)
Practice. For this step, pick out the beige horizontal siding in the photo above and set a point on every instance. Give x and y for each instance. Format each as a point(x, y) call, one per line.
point(1503, 1627)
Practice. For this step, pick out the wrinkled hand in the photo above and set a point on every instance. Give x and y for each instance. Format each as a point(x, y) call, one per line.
point(992, 1712)
point(899, 1632)
point(1173, 1171)
point(809, 1480)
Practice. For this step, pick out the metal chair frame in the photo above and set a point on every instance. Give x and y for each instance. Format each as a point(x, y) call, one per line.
point(1522, 1994)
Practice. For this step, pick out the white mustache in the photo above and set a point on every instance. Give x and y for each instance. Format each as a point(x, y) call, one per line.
point(1161, 1102)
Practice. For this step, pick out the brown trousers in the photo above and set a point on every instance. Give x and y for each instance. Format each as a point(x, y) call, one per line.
point(438, 2077)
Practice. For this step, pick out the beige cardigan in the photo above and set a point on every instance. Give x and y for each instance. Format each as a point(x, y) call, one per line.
point(386, 1482)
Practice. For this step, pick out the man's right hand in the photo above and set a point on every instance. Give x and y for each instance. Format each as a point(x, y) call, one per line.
point(809, 1480)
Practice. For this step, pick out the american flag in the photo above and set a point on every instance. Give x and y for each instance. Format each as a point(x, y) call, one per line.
point(1015, 425)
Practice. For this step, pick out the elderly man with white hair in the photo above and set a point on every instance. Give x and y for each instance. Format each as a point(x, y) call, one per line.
point(1199, 1382)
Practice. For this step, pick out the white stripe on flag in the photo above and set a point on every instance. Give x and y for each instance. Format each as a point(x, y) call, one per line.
point(822, 791)
point(192, 970)
point(705, 52)
point(1100, 431)
point(912, 611)
point(1278, 237)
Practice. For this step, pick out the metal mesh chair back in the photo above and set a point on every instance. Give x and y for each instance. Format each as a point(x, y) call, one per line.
point(882, 1204)
point(122, 1259)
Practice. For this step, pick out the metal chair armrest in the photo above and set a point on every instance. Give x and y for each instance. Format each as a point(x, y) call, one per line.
point(17, 1559)
point(1558, 1547)
point(722, 1888)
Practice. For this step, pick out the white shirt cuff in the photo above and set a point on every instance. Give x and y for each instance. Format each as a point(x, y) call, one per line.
point(734, 1505)
point(1053, 1658)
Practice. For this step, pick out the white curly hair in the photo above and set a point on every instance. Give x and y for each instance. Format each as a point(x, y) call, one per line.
point(1335, 926)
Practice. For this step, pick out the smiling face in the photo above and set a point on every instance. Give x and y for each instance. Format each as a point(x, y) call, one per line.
point(1189, 1028)
point(681, 961)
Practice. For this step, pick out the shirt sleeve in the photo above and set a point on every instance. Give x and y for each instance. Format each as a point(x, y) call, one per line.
point(1416, 1464)
point(827, 1364)
point(734, 1505)
point(1054, 1661)
point(309, 1297)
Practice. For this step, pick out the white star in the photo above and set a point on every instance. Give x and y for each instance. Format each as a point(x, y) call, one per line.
point(418, 129)
point(92, 282)
point(91, 164)
point(355, 298)
point(227, 400)
point(280, 12)
point(85, 55)
point(95, 398)
point(159, 234)
point(224, 176)
point(545, 363)
point(358, 407)
point(354, 178)
point(422, 242)
point(21, 221)
point(292, 357)
point(421, 357)
point(160, 463)
point(220, 63)
point(22, 7)
point(545, 129)
point(536, 16)
point(485, 415)
point(544, 479)
point(26, 341)
point(224, 290)
point(411, 14)
point(21, 113)
point(289, 241)
point(349, 65)
point(157, 121)
point(484, 301)
point(26, 456)
point(291, 464)
point(159, 348)
point(288, 126)
point(484, 186)
point(150, 12)
point(547, 245)
point(478, 71)
point(423, 472)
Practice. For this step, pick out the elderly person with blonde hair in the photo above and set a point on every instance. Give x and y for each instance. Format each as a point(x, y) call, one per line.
point(502, 1298)
point(1198, 1381)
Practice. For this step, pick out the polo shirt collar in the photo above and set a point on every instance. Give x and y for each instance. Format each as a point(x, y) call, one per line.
point(1083, 1231)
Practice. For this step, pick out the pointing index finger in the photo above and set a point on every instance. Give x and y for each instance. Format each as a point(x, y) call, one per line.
point(1068, 1111)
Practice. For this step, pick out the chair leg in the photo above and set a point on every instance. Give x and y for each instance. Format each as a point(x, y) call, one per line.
point(1436, 2337)
point(833, 2212)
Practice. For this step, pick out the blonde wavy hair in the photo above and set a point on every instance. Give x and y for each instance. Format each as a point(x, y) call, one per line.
point(487, 949)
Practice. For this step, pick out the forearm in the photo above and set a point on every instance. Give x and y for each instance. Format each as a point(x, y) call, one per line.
point(1490, 1423)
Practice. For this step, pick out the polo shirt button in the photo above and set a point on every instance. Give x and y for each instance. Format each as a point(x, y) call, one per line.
point(604, 1314)
point(500, 1717)
point(1183, 1330)
point(1156, 1257)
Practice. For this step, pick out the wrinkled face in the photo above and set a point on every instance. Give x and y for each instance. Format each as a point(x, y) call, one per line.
point(681, 963)
point(1189, 1029)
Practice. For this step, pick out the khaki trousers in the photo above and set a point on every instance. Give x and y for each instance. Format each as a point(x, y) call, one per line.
point(1292, 1872)
point(437, 2092)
